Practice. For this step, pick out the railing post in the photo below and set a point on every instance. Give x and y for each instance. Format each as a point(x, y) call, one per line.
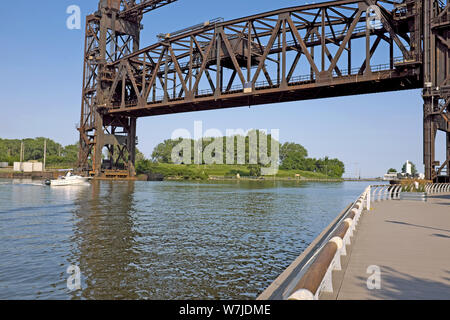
point(368, 198)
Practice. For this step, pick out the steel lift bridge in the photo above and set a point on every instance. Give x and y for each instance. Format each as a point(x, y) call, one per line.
point(328, 49)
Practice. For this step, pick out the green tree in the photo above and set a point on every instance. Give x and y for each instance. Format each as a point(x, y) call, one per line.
point(9, 150)
point(295, 161)
point(391, 170)
point(254, 170)
point(289, 149)
point(145, 166)
point(163, 151)
point(331, 167)
point(293, 156)
point(70, 152)
point(34, 150)
point(413, 168)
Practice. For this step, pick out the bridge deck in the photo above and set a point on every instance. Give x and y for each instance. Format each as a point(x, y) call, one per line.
point(409, 241)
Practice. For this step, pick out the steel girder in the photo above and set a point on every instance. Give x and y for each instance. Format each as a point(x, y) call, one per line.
point(132, 9)
point(305, 52)
point(436, 85)
point(291, 54)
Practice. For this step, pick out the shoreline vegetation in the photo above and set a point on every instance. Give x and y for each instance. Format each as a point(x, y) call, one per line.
point(8, 173)
point(174, 172)
point(293, 161)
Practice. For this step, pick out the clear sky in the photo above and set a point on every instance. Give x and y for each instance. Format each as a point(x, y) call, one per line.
point(41, 75)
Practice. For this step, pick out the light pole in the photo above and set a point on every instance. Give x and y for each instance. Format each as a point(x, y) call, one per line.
point(45, 152)
point(21, 151)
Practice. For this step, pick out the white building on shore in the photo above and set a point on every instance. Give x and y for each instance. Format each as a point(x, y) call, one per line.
point(28, 167)
point(407, 175)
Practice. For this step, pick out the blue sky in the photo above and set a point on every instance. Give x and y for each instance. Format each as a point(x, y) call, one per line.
point(40, 89)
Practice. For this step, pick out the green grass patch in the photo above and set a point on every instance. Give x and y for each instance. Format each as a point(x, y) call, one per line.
point(203, 172)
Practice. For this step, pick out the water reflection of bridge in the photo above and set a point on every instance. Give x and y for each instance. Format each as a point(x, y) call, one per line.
point(105, 240)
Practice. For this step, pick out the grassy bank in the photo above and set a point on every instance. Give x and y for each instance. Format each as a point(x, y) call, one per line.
point(204, 172)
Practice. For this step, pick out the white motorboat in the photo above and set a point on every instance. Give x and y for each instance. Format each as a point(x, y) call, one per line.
point(68, 180)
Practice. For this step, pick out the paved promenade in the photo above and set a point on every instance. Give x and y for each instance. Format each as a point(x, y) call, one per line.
point(409, 241)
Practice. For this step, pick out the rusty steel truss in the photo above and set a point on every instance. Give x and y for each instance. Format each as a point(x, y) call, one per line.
point(328, 49)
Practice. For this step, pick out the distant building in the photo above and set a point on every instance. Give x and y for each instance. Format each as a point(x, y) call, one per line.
point(390, 176)
point(408, 167)
point(400, 176)
point(32, 166)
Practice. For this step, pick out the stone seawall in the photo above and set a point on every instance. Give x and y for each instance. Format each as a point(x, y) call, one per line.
point(30, 175)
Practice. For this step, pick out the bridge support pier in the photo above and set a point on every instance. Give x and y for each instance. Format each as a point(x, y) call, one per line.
point(429, 139)
point(436, 93)
point(132, 142)
point(118, 136)
point(435, 119)
point(448, 154)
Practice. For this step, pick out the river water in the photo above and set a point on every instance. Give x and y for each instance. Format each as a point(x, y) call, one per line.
point(159, 240)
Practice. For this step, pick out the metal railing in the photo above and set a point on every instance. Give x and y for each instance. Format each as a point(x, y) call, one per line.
point(316, 274)
point(436, 188)
point(385, 192)
point(397, 192)
point(165, 36)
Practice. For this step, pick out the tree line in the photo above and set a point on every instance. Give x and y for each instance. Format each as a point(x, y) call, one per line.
point(292, 156)
point(34, 150)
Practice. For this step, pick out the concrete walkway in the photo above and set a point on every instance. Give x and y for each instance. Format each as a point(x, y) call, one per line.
point(410, 243)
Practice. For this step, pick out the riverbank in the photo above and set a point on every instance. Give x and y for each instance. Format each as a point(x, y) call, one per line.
point(265, 178)
point(10, 174)
point(282, 176)
point(165, 171)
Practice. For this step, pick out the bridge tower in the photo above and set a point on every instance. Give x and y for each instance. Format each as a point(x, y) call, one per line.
point(436, 93)
point(109, 37)
point(112, 33)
